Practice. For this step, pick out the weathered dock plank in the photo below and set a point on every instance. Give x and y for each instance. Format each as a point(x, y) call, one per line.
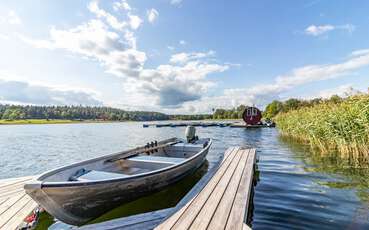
point(15, 204)
point(241, 205)
point(223, 202)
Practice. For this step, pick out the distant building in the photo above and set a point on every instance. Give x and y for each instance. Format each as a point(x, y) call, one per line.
point(252, 115)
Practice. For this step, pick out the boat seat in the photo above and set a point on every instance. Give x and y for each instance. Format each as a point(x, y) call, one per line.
point(186, 147)
point(92, 175)
point(157, 159)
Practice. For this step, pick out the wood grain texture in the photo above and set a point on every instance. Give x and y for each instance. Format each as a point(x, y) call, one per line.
point(186, 219)
point(242, 198)
point(211, 206)
point(15, 204)
point(220, 217)
point(223, 202)
point(174, 217)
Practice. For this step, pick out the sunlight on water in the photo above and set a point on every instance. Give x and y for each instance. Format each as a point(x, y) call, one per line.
point(297, 188)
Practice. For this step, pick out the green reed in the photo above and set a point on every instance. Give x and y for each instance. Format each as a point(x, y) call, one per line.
point(343, 126)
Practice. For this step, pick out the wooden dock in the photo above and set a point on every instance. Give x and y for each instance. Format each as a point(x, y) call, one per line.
point(210, 124)
point(15, 204)
point(192, 123)
point(220, 200)
point(223, 202)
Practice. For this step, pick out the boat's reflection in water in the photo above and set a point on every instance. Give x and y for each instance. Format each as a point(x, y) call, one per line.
point(165, 198)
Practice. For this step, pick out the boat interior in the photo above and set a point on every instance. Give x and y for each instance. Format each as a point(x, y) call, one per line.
point(113, 167)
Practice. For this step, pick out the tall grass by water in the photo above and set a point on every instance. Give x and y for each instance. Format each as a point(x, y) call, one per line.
point(342, 125)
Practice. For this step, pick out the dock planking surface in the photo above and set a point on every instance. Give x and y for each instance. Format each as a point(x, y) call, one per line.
point(223, 202)
point(15, 204)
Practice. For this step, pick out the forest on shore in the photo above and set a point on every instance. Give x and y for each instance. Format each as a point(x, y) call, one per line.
point(15, 113)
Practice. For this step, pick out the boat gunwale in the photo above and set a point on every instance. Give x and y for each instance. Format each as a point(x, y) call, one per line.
point(86, 183)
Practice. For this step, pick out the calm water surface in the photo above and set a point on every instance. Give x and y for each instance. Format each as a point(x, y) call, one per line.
point(297, 188)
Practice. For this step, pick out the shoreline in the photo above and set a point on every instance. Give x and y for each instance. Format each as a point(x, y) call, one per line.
point(60, 121)
point(50, 122)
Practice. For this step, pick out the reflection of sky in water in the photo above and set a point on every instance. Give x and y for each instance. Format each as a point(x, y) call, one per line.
point(297, 189)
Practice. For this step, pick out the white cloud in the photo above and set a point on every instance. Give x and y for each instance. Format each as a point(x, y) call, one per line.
point(264, 93)
point(172, 85)
point(4, 37)
point(21, 92)
point(11, 17)
point(134, 21)
point(185, 57)
point(167, 85)
point(171, 47)
point(100, 13)
point(317, 30)
point(176, 2)
point(342, 91)
point(94, 40)
point(152, 15)
point(347, 27)
point(359, 52)
point(182, 42)
point(122, 5)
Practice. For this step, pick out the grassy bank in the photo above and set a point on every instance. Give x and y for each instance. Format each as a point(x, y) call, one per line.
point(41, 121)
point(342, 125)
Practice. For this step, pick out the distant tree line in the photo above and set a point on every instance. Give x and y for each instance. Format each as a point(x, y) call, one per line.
point(235, 113)
point(275, 107)
point(191, 117)
point(19, 112)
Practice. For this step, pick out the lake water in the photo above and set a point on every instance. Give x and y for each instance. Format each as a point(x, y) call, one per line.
point(297, 188)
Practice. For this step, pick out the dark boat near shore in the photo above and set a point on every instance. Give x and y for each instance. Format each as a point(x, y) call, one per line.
point(78, 193)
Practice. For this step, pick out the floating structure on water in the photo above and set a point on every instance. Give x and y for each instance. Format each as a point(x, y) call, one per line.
point(251, 116)
point(189, 123)
point(222, 199)
point(78, 193)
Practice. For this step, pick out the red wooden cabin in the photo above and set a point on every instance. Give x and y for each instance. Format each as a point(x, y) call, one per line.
point(252, 115)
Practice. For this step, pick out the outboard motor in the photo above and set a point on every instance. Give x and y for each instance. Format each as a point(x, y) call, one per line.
point(191, 134)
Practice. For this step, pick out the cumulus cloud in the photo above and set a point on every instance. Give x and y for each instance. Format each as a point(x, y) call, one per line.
point(11, 17)
point(21, 92)
point(94, 40)
point(317, 30)
point(176, 2)
point(342, 91)
point(184, 79)
point(171, 85)
point(262, 94)
point(134, 21)
point(185, 57)
point(311, 73)
point(4, 37)
point(182, 42)
point(122, 5)
point(152, 15)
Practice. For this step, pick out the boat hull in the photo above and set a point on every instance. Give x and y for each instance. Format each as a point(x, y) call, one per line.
point(77, 204)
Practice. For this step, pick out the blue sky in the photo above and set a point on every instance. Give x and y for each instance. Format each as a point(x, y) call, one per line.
point(181, 56)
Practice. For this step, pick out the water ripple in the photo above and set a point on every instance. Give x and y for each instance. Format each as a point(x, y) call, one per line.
point(297, 189)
